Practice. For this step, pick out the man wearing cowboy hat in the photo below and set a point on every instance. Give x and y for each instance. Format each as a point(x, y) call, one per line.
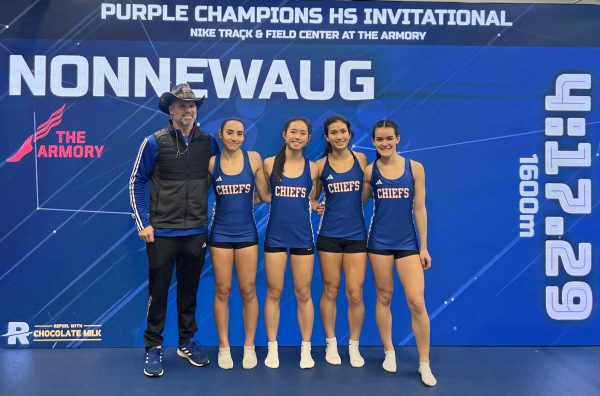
point(174, 228)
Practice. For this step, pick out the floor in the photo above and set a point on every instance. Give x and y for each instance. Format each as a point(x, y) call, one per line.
point(463, 371)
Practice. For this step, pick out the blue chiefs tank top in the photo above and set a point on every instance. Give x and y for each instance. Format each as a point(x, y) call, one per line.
point(392, 225)
point(233, 211)
point(343, 217)
point(289, 216)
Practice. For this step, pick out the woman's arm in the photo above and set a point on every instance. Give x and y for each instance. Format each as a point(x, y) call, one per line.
point(420, 212)
point(261, 182)
point(366, 194)
point(316, 189)
point(315, 205)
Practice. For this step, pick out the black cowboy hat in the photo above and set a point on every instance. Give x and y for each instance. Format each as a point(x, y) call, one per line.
point(179, 92)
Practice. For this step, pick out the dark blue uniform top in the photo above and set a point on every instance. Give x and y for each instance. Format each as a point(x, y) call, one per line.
point(343, 217)
point(289, 217)
point(392, 225)
point(233, 211)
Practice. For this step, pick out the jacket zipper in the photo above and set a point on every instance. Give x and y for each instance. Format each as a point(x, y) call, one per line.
point(187, 176)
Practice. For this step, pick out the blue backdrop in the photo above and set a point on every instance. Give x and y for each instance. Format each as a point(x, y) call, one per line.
point(471, 87)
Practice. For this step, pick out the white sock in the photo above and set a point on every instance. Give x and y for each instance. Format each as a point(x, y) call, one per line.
point(224, 359)
point(249, 361)
point(306, 360)
point(272, 359)
point(331, 352)
point(356, 360)
point(389, 363)
point(426, 374)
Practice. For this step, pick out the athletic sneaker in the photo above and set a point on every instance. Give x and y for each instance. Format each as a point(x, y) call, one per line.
point(153, 365)
point(192, 352)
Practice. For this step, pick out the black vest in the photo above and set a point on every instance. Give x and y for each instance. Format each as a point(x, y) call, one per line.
point(179, 184)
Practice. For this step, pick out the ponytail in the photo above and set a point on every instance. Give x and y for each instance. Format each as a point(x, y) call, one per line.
point(278, 165)
point(328, 149)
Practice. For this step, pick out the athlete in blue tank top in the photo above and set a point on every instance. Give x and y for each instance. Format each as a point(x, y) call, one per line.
point(233, 213)
point(289, 223)
point(233, 236)
point(343, 216)
point(392, 226)
point(342, 237)
point(292, 177)
point(398, 188)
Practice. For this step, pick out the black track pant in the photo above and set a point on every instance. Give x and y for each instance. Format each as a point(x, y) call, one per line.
point(187, 254)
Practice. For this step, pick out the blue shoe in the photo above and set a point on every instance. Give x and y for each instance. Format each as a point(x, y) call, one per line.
point(192, 352)
point(153, 366)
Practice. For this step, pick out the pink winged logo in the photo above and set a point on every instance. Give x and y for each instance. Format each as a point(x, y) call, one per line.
point(41, 132)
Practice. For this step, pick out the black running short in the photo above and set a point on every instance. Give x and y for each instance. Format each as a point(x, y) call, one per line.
point(232, 245)
point(294, 251)
point(398, 254)
point(338, 245)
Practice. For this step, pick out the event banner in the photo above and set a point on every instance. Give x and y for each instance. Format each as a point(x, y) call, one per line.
point(498, 102)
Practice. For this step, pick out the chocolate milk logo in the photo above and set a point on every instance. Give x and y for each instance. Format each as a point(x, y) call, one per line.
point(19, 333)
point(71, 143)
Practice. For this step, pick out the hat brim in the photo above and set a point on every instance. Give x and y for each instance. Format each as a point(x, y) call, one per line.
point(168, 98)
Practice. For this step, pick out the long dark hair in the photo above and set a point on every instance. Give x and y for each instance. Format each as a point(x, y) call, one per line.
point(280, 157)
point(384, 124)
point(331, 120)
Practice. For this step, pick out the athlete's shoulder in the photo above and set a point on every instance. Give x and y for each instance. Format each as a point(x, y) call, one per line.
point(269, 160)
point(369, 171)
point(211, 163)
point(416, 166)
point(254, 154)
point(268, 165)
point(314, 170)
point(359, 155)
point(362, 159)
point(321, 163)
point(255, 160)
